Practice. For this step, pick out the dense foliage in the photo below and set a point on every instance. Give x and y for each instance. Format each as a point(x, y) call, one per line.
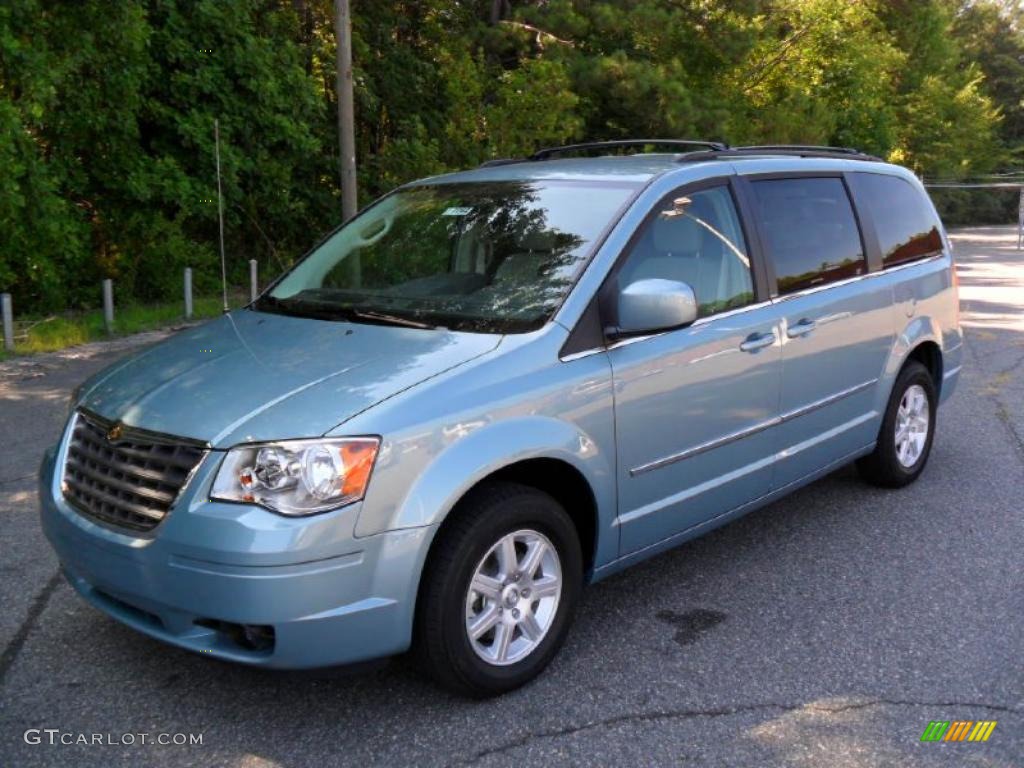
point(107, 109)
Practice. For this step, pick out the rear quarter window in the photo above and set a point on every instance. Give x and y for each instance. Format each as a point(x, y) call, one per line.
point(907, 227)
point(811, 233)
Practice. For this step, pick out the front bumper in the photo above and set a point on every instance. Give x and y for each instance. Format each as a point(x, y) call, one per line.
point(210, 567)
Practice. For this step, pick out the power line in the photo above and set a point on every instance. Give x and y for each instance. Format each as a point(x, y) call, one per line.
point(979, 185)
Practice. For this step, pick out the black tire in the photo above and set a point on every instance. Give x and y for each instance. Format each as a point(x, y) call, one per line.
point(882, 467)
point(441, 644)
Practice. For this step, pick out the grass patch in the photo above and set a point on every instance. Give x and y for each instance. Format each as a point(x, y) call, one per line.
point(60, 331)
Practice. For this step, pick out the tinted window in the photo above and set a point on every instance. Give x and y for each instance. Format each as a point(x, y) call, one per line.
point(811, 233)
point(697, 240)
point(906, 225)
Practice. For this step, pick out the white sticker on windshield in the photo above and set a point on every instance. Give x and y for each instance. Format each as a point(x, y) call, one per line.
point(457, 212)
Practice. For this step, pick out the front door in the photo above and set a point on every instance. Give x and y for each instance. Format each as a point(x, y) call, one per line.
point(694, 406)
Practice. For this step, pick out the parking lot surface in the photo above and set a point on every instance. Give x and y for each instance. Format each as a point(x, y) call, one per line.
point(827, 629)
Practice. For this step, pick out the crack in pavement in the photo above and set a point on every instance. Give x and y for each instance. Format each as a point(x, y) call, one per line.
point(1013, 368)
point(682, 714)
point(35, 610)
point(1002, 412)
point(17, 479)
point(629, 717)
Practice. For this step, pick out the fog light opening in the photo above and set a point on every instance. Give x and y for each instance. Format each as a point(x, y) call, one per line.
point(258, 637)
point(252, 637)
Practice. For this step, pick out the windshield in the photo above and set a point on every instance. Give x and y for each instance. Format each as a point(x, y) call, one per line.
point(493, 257)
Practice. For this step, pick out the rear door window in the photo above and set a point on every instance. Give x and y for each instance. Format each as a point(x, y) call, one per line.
point(907, 227)
point(811, 233)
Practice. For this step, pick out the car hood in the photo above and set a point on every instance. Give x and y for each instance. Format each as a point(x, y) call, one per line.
point(251, 376)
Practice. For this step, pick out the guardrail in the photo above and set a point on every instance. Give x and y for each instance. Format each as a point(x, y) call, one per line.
point(14, 331)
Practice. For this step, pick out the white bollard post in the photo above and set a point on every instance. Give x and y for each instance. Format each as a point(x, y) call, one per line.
point(253, 282)
point(8, 315)
point(108, 305)
point(188, 293)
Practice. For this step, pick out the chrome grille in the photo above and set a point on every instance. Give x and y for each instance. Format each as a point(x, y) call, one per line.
point(130, 479)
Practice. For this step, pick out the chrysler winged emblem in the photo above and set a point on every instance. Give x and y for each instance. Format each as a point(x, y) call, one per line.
point(115, 432)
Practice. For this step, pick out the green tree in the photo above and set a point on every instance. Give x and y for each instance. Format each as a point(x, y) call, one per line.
point(822, 73)
point(946, 120)
point(992, 38)
point(107, 109)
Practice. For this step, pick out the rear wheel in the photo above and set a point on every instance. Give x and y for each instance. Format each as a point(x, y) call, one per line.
point(499, 590)
point(905, 438)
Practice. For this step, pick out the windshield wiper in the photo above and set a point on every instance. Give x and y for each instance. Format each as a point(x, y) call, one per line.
point(323, 310)
point(386, 319)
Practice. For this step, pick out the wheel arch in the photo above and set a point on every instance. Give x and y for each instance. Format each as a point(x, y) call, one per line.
point(920, 340)
point(929, 354)
point(556, 477)
point(565, 484)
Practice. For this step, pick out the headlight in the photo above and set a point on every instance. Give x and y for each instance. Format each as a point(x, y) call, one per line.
point(298, 477)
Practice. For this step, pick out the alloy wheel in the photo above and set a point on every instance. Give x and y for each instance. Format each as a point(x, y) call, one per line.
point(513, 597)
point(912, 424)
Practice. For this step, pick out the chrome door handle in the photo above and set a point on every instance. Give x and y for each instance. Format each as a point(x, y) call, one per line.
point(802, 328)
point(756, 341)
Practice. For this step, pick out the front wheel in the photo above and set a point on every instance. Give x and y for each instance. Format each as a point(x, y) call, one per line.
point(905, 438)
point(499, 590)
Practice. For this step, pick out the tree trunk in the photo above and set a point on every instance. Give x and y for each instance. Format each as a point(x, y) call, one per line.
point(499, 9)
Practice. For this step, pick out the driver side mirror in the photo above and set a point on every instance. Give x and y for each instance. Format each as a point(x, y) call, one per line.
point(645, 306)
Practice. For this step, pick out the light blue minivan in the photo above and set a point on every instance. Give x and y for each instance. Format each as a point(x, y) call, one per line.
point(492, 387)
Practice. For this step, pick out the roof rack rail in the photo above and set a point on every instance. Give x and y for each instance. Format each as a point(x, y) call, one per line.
point(803, 148)
point(781, 150)
point(692, 150)
point(548, 152)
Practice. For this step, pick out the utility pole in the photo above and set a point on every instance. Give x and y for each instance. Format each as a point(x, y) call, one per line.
point(220, 215)
point(346, 108)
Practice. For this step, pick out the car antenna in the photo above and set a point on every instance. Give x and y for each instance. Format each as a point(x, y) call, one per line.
point(220, 214)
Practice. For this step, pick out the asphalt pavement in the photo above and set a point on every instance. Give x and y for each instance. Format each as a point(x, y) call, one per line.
point(827, 629)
